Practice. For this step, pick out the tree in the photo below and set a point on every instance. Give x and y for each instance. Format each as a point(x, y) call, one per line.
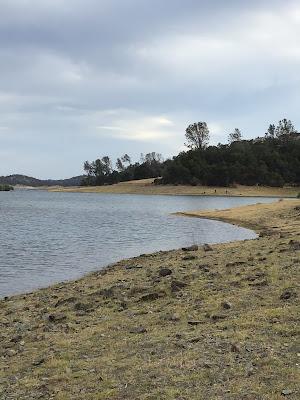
point(271, 131)
point(119, 165)
point(235, 136)
point(107, 165)
point(88, 168)
point(197, 135)
point(126, 159)
point(284, 127)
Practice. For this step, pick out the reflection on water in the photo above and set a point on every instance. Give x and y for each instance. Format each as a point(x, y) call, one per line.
point(50, 237)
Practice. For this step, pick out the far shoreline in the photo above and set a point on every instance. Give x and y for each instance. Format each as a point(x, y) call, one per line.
point(146, 187)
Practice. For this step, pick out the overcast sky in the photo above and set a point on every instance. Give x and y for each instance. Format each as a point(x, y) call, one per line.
point(80, 79)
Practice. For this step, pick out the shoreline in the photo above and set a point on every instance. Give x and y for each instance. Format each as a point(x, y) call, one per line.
point(224, 311)
point(146, 187)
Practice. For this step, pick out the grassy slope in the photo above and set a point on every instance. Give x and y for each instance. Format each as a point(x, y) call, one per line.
point(145, 186)
point(83, 340)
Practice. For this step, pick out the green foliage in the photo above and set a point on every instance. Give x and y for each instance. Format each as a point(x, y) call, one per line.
point(298, 196)
point(272, 160)
point(6, 188)
point(263, 161)
point(235, 136)
point(197, 135)
point(100, 171)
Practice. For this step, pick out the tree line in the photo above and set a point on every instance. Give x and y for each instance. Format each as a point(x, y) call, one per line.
point(101, 171)
point(270, 160)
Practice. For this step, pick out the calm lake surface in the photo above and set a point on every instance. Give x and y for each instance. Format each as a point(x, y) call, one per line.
point(51, 237)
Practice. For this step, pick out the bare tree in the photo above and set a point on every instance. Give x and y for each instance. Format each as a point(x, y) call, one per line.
point(197, 135)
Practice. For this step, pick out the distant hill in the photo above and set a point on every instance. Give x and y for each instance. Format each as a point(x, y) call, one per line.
point(29, 181)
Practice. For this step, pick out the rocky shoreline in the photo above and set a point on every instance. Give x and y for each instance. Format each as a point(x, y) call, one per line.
point(208, 322)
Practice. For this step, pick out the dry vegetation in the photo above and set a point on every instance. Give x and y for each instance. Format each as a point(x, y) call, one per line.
point(219, 322)
point(146, 186)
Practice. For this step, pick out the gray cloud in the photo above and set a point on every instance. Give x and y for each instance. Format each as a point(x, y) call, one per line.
point(79, 79)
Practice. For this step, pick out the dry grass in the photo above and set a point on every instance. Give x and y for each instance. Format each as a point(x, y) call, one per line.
point(83, 339)
point(146, 186)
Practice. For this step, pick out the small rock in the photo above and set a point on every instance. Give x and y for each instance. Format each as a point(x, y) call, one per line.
point(287, 294)
point(204, 268)
point(138, 330)
point(81, 307)
point(217, 317)
point(294, 244)
point(287, 392)
point(226, 305)
point(207, 247)
point(172, 317)
point(64, 301)
point(38, 362)
point(56, 317)
point(165, 272)
point(194, 247)
point(107, 293)
point(187, 258)
point(235, 348)
point(149, 297)
point(194, 323)
point(177, 285)
point(16, 339)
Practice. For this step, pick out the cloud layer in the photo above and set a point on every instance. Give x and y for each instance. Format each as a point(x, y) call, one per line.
point(84, 78)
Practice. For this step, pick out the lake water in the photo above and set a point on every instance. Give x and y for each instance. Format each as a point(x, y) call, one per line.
point(51, 237)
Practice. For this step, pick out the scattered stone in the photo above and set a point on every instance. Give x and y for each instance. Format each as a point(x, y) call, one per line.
point(263, 282)
point(294, 245)
point(194, 247)
point(207, 247)
point(16, 339)
point(65, 301)
point(217, 317)
point(287, 294)
point(149, 297)
point(81, 307)
point(165, 272)
point(38, 362)
point(287, 392)
point(171, 317)
point(204, 268)
point(56, 317)
point(138, 330)
point(195, 339)
point(107, 293)
point(177, 285)
point(133, 266)
point(187, 258)
point(194, 323)
point(226, 305)
point(235, 348)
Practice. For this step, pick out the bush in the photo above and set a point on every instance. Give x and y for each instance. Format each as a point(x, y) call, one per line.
point(298, 197)
point(6, 188)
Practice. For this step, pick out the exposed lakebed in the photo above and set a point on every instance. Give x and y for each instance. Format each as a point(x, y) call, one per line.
point(51, 237)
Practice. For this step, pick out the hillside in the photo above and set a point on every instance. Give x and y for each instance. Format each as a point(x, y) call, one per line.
point(30, 181)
